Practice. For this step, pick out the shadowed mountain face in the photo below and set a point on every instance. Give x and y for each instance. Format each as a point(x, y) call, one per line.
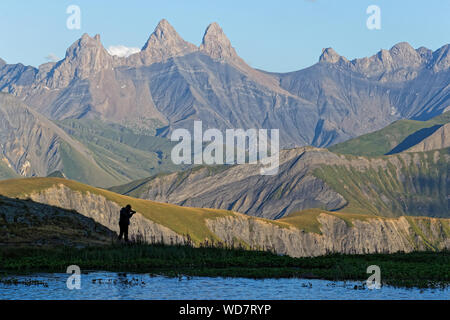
point(439, 139)
point(171, 82)
point(416, 138)
point(24, 222)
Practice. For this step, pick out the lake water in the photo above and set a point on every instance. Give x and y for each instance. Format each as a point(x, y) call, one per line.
point(120, 286)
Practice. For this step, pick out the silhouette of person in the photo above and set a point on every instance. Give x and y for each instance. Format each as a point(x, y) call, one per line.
point(124, 221)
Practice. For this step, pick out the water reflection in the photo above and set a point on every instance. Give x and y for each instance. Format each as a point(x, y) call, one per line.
point(127, 286)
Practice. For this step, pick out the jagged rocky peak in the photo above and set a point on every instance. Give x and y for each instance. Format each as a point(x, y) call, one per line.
point(402, 48)
point(164, 33)
point(399, 63)
point(2, 62)
point(85, 57)
point(88, 52)
point(441, 59)
point(84, 45)
point(403, 55)
point(165, 43)
point(216, 44)
point(331, 56)
point(425, 53)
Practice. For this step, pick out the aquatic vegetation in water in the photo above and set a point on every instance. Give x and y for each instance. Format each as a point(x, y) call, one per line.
point(26, 282)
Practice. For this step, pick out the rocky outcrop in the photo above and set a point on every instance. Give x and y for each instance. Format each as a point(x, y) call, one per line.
point(374, 235)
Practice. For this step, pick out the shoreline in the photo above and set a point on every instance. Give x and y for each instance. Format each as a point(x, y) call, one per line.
point(417, 269)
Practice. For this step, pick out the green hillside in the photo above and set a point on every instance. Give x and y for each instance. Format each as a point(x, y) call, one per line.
point(383, 141)
point(6, 172)
point(415, 184)
point(120, 152)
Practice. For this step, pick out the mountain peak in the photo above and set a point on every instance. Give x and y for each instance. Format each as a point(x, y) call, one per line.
point(441, 58)
point(331, 56)
point(402, 47)
point(216, 44)
point(84, 45)
point(2, 62)
point(85, 57)
point(164, 32)
point(404, 55)
point(164, 43)
point(214, 28)
point(87, 40)
point(165, 26)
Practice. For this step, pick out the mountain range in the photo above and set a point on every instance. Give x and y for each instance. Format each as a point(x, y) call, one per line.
point(172, 82)
point(365, 147)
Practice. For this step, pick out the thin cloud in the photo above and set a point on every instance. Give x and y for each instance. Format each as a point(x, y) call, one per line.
point(52, 58)
point(122, 51)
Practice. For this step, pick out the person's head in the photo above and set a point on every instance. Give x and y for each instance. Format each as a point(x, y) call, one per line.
point(128, 207)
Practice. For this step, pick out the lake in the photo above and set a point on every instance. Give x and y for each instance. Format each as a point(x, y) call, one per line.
point(121, 286)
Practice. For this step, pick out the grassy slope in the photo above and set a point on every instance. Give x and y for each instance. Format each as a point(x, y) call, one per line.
point(382, 141)
point(6, 172)
point(78, 168)
point(180, 219)
point(416, 190)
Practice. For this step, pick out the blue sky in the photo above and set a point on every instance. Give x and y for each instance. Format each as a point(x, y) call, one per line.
point(279, 36)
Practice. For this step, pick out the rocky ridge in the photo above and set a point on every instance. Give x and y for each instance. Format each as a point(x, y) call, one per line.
point(337, 235)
